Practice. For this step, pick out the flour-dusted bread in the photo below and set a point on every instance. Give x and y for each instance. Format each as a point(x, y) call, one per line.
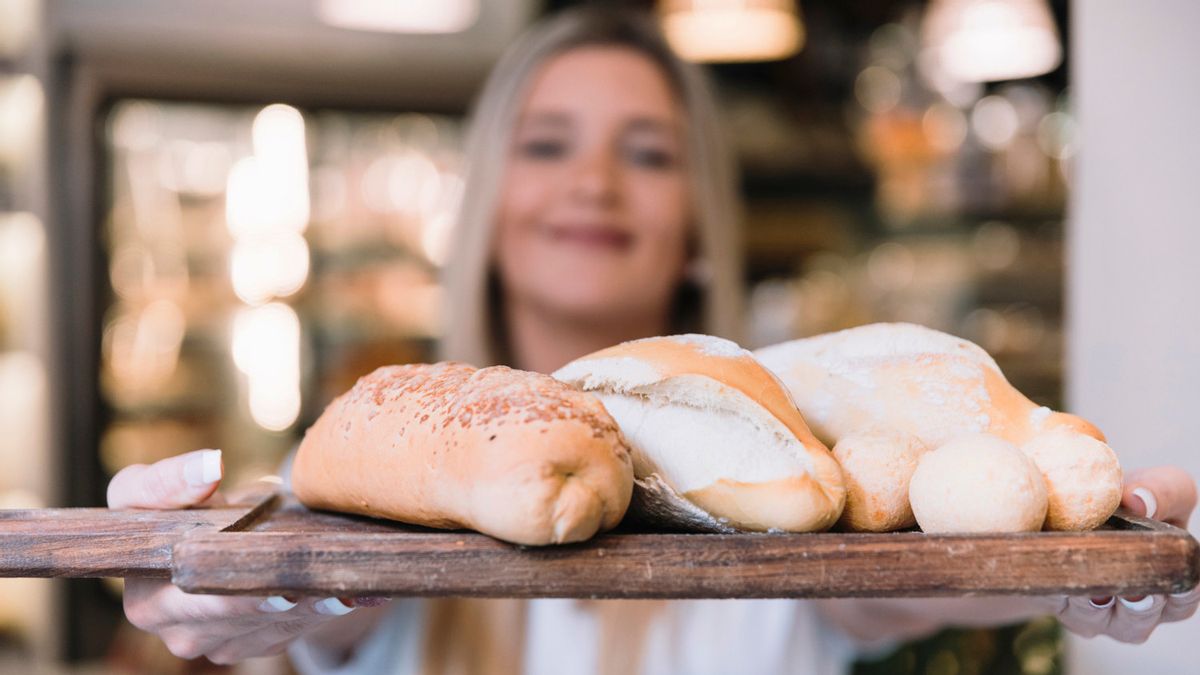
point(937, 387)
point(877, 465)
point(718, 444)
point(513, 454)
point(978, 483)
point(1083, 478)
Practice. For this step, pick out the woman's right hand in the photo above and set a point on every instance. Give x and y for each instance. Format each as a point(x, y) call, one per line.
point(223, 628)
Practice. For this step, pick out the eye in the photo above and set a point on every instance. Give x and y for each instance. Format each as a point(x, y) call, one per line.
point(651, 158)
point(543, 149)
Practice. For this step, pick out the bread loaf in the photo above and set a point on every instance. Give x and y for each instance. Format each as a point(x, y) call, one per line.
point(718, 444)
point(516, 455)
point(936, 387)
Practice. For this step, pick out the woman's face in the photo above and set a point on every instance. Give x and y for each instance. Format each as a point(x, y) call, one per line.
point(594, 214)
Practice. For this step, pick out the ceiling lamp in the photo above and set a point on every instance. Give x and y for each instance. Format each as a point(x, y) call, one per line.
point(990, 40)
point(399, 16)
point(732, 30)
point(17, 21)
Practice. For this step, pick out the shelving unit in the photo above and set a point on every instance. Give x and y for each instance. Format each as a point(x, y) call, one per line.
point(27, 458)
point(362, 266)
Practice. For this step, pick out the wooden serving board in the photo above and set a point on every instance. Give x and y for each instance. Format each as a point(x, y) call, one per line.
point(276, 546)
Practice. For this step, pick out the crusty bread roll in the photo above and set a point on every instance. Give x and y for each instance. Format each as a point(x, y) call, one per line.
point(936, 387)
point(877, 465)
point(718, 444)
point(516, 455)
point(1080, 474)
point(978, 483)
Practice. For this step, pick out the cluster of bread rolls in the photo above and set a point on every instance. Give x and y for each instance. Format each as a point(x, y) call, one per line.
point(965, 451)
point(693, 432)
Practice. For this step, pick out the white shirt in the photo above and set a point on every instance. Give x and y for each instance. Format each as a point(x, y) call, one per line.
point(693, 637)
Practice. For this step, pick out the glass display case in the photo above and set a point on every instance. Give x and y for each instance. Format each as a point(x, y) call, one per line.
point(260, 259)
point(26, 445)
point(907, 197)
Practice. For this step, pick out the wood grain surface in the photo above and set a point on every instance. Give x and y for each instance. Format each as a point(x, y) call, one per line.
point(297, 550)
point(105, 543)
point(278, 546)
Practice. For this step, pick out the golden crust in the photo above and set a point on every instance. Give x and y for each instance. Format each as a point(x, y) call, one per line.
point(796, 504)
point(672, 358)
point(935, 392)
point(878, 465)
point(513, 454)
point(793, 504)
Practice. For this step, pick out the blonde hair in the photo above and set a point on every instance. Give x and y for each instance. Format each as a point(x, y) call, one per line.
point(473, 330)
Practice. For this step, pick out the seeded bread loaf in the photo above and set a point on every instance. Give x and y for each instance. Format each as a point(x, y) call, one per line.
point(512, 454)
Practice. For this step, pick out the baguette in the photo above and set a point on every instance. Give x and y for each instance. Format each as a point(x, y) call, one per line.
point(717, 443)
point(512, 454)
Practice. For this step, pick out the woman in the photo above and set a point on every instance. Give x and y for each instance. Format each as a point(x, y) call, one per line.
point(601, 207)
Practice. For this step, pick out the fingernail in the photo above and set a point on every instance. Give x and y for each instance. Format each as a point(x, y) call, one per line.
point(276, 604)
point(1102, 603)
point(203, 468)
point(1148, 499)
point(1142, 604)
point(332, 607)
point(1185, 594)
point(371, 601)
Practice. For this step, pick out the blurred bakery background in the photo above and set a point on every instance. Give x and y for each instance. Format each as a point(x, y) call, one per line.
point(215, 216)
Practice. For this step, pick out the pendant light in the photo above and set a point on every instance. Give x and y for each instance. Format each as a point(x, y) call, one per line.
point(732, 30)
point(990, 40)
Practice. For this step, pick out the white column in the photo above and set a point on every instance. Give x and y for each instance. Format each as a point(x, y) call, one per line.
point(1133, 277)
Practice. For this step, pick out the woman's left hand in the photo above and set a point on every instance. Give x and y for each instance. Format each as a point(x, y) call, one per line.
point(1165, 493)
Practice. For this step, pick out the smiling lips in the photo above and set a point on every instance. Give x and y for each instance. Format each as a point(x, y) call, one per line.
point(591, 236)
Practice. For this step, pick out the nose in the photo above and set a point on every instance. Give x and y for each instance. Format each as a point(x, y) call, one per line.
point(594, 179)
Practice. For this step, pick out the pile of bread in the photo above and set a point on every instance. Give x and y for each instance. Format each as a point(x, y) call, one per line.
point(694, 433)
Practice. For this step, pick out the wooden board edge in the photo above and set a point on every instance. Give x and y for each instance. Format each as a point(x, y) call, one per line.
point(620, 566)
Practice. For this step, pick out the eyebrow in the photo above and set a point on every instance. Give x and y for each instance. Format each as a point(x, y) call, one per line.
point(562, 119)
point(650, 124)
point(556, 119)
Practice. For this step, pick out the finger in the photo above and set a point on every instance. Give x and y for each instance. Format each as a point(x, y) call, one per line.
point(186, 644)
point(200, 625)
point(173, 483)
point(308, 615)
point(1086, 618)
point(1135, 618)
point(1181, 606)
point(1165, 493)
point(254, 613)
point(216, 498)
point(155, 605)
point(159, 607)
point(140, 608)
point(191, 639)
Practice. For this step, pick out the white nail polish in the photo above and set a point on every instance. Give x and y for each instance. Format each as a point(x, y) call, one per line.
point(1106, 605)
point(1148, 499)
point(203, 469)
point(276, 604)
point(332, 607)
point(1142, 605)
point(1185, 594)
